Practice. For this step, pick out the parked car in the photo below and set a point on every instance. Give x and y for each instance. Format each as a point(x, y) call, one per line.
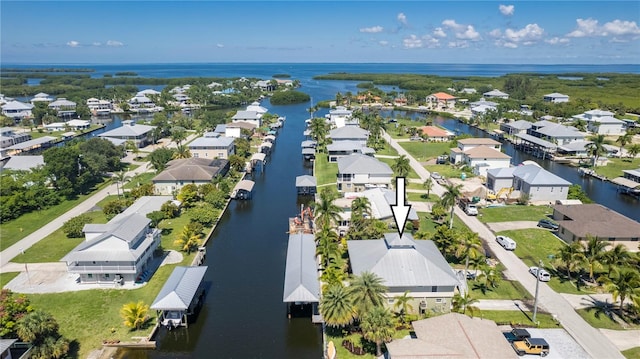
point(517, 334)
point(417, 138)
point(548, 224)
point(506, 242)
point(436, 175)
point(531, 346)
point(442, 159)
point(542, 274)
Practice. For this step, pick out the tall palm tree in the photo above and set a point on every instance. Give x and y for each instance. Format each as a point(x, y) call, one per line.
point(120, 178)
point(596, 148)
point(182, 151)
point(401, 166)
point(616, 257)
point(360, 211)
point(35, 326)
point(593, 253)
point(135, 314)
point(327, 247)
point(450, 198)
point(367, 291)
point(469, 246)
point(624, 139)
point(428, 185)
point(570, 257)
point(626, 284)
point(402, 303)
point(462, 304)
point(325, 211)
point(633, 150)
point(337, 307)
point(189, 239)
point(319, 130)
point(377, 326)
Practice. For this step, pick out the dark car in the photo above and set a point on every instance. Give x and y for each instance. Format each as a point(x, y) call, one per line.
point(517, 334)
point(548, 224)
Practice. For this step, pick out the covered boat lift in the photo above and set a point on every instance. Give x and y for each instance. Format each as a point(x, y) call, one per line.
point(306, 185)
point(301, 283)
point(177, 298)
point(243, 190)
point(258, 159)
point(265, 147)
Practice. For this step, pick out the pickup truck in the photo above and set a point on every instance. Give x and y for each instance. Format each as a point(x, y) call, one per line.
point(468, 207)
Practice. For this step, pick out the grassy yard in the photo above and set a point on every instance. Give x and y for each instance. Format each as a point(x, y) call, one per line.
point(515, 317)
point(597, 318)
point(507, 289)
point(356, 338)
point(539, 244)
point(325, 172)
point(390, 161)
point(5, 278)
point(615, 166)
point(513, 213)
point(387, 150)
point(422, 197)
point(424, 151)
point(15, 230)
point(447, 171)
point(633, 353)
point(428, 225)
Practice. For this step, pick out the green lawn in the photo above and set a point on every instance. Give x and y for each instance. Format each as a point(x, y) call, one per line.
point(324, 172)
point(597, 318)
point(15, 230)
point(515, 317)
point(356, 338)
point(633, 353)
point(507, 289)
point(615, 166)
point(513, 213)
point(448, 171)
point(426, 224)
point(390, 161)
point(424, 151)
point(422, 197)
point(5, 278)
point(539, 244)
point(387, 150)
point(139, 179)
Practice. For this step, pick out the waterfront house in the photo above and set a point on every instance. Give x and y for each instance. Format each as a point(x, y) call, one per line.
point(406, 264)
point(452, 335)
point(235, 128)
point(340, 116)
point(575, 222)
point(141, 103)
point(496, 94)
point(536, 182)
point(436, 134)
point(633, 175)
point(99, 107)
point(343, 148)
point(181, 172)
point(516, 127)
point(480, 159)
point(441, 100)
point(252, 117)
point(41, 97)
point(555, 98)
point(358, 172)
point(63, 107)
point(8, 137)
point(148, 92)
point(555, 133)
point(456, 154)
point(17, 110)
point(255, 106)
point(71, 125)
point(140, 135)
point(121, 250)
point(602, 122)
point(212, 147)
point(180, 296)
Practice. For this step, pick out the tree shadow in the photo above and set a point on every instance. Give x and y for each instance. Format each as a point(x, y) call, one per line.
point(74, 349)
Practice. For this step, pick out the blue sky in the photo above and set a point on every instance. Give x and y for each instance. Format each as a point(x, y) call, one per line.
point(475, 32)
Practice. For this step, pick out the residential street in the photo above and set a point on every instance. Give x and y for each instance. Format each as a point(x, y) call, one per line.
point(592, 340)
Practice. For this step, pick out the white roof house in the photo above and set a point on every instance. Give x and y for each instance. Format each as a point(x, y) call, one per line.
point(495, 94)
point(252, 117)
point(24, 163)
point(511, 128)
point(540, 184)
point(404, 263)
point(555, 133)
point(17, 109)
point(340, 116)
point(255, 106)
point(137, 133)
point(556, 97)
point(62, 104)
point(602, 122)
point(74, 125)
point(353, 133)
point(41, 97)
point(148, 92)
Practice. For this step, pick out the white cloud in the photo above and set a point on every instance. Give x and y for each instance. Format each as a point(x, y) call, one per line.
point(439, 32)
point(220, 45)
point(495, 33)
point(412, 42)
point(618, 30)
point(506, 10)
point(373, 29)
point(531, 32)
point(557, 41)
point(73, 43)
point(460, 44)
point(463, 32)
point(114, 43)
point(402, 18)
point(383, 42)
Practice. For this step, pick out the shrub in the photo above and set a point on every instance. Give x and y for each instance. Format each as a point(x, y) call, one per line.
point(73, 227)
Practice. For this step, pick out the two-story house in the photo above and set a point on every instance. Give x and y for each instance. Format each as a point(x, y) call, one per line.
point(212, 147)
point(358, 172)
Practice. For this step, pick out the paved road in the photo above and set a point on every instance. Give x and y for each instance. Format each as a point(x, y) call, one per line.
point(593, 341)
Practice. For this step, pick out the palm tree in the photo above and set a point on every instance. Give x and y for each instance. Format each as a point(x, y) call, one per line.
point(401, 166)
point(593, 253)
point(625, 284)
point(428, 185)
point(570, 256)
point(469, 246)
point(633, 150)
point(616, 257)
point(135, 314)
point(596, 148)
point(360, 211)
point(450, 198)
point(623, 140)
point(189, 239)
point(325, 211)
point(327, 247)
point(402, 303)
point(377, 326)
point(318, 129)
point(367, 291)
point(182, 151)
point(178, 134)
point(337, 307)
point(462, 304)
point(490, 276)
point(35, 326)
point(120, 178)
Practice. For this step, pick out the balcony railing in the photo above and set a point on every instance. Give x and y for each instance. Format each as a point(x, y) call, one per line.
point(102, 269)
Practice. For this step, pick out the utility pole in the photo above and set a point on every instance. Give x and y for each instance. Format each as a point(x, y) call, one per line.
point(535, 303)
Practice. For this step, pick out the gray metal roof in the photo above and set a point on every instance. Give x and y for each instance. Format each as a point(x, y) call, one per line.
point(24, 163)
point(520, 125)
point(301, 283)
point(346, 145)
point(308, 143)
point(127, 130)
point(537, 141)
point(362, 164)
point(180, 289)
point(211, 142)
point(249, 115)
point(245, 185)
point(536, 175)
point(308, 151)
point(31, 143)
point(17, 105)
point(191, 169)
point(557, 130)
point(402, 262)
point(306, 181)
point(349, 132)
point(143, 206)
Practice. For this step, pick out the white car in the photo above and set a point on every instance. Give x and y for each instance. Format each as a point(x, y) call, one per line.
point(436, 175)
point(542, 274)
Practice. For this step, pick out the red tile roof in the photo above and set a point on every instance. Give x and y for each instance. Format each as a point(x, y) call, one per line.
point(433, 131)
point(442, 96)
